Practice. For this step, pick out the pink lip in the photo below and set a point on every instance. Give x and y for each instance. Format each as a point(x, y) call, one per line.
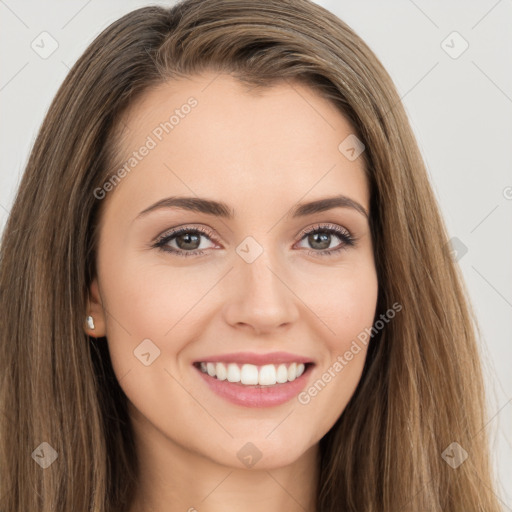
point(256, 359)
point(257, 396)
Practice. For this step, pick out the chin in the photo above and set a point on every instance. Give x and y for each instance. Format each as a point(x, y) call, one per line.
point(255, 454)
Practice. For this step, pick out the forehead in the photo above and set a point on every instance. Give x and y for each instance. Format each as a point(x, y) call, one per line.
point(210, 135)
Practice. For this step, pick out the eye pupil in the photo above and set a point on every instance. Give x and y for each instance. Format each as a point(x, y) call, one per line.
point(188, 239)
point(324, 242)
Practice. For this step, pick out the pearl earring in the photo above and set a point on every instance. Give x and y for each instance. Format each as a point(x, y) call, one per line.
point(90, 322)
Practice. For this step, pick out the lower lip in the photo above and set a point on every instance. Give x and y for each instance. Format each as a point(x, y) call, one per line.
point(257, 396)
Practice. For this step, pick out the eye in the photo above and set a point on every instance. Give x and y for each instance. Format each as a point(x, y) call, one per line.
point(187, 240)
point(320, 238)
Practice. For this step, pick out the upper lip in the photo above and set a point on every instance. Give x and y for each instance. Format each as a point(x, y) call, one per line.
point(256, 359)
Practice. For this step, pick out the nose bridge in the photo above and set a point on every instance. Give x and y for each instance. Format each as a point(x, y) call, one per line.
point(261, 277)
point(260, 296)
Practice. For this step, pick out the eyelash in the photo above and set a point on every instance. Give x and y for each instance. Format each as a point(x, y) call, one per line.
point(348, 240)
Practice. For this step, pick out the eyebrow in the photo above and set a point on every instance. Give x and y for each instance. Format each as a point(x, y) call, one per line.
point(220, 209)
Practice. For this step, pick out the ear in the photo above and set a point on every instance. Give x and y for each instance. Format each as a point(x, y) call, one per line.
point(95, 309)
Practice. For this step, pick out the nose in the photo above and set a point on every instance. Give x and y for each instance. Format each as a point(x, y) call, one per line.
point(259, 297)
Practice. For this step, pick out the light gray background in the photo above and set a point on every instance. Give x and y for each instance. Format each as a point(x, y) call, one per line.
point(460, 109)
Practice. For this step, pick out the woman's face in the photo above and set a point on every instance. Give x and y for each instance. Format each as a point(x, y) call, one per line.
point(254, 286)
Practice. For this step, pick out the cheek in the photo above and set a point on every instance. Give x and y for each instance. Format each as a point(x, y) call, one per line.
point(343, 299)
point(149, 299)
point(351, 309)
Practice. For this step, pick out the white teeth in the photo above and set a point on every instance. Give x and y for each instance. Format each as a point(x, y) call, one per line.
point(221, 371)
point(267, 375)
point(292, 372)
point(233, 373)
point(250, 374)
point(282, 374)
point(210, 368)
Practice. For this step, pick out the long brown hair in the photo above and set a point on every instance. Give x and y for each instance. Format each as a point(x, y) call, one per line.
point(421, 388)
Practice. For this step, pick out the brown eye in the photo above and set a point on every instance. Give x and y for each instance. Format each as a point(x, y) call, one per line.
point(187, 241)
point(320, 238)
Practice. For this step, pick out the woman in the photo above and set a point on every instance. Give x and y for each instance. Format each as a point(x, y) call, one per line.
point(173, 336)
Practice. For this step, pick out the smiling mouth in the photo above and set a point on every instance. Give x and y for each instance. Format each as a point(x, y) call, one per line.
point(253, 375)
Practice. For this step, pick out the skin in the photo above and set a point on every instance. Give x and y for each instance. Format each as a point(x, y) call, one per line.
point(261, 153)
